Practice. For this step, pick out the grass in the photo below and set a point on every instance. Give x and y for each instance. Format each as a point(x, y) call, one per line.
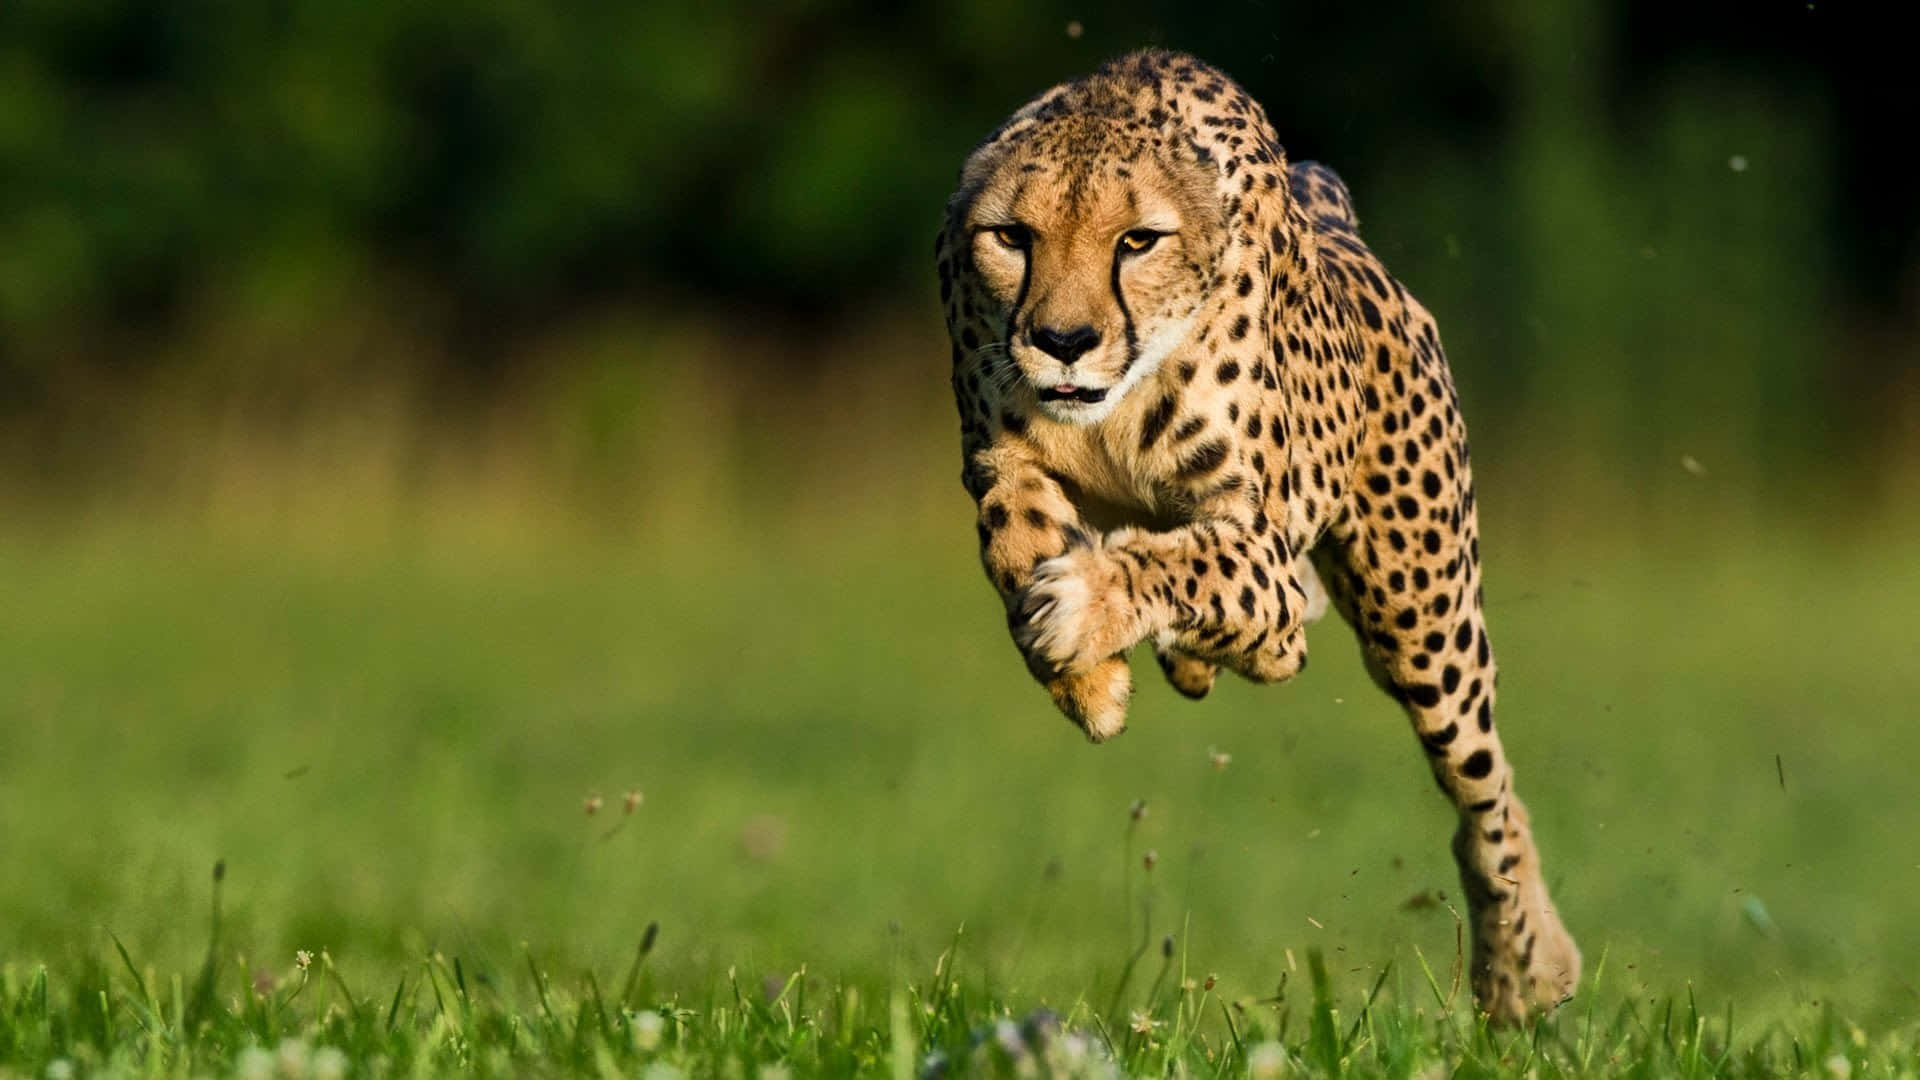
point(868, 845)
point(312, 1024)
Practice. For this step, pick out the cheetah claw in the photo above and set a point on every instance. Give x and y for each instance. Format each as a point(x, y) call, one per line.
point(1076, 612)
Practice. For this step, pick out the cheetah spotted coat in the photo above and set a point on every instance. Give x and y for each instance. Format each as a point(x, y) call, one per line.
point(1279, 414)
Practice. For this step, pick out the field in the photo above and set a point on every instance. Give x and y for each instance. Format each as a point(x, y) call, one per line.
point(484, 586)
point(863, 835)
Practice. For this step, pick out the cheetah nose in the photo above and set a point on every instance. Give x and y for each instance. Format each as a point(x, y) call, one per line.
point(1065, 346)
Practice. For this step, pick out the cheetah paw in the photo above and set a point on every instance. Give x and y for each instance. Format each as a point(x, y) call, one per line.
point(1513, 987)
point(1077, 611)
point(1096, 700)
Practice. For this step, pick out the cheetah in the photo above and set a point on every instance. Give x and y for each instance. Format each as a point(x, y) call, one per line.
point(1195, 410)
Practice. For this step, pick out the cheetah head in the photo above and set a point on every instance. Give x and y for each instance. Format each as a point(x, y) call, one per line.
point(1094, 246)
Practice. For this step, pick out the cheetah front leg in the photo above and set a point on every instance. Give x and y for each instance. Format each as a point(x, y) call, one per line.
point(1216, 592)
point(1024, 520)
point(1193, 676)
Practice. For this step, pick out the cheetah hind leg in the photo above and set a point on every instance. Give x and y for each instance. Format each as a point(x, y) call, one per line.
point(1192, 676)
point(1524, 961)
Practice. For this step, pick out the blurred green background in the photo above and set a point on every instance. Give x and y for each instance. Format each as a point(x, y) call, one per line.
point(415, 419)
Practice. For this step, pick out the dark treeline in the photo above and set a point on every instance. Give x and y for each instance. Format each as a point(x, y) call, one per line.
point(1613, 202)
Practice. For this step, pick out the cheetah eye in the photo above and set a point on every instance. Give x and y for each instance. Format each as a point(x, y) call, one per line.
point(1013, 237)
point(1135, 241)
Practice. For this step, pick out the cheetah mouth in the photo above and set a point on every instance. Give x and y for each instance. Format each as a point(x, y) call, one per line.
point(1086, 395)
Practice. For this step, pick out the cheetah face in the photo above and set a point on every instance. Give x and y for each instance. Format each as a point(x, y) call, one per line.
point(1095, 263)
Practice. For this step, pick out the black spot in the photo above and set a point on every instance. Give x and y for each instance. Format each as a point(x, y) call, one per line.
point(1449, 679)
point(977, 478)
point(1227, 372)
point(1436, 641)
point(1477, 766)
point(1204, 460)
point(996, 517)
point(1239, 328)
point(1437, 740)
point(1463, 637)
point(1409, 508)
point(1228, 566)
point(1246, 601)
point(1379, 484)
point(1486, 714)
point(1156, 422)
point(1430, 484)
point(1245, 285)
point(1431, 541)
point(1372, 315)
point(1406, 619)
point(1425, 695)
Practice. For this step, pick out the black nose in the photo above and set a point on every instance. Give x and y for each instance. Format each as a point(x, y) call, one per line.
point(1065, 346)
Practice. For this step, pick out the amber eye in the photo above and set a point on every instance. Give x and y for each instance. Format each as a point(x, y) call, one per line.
point(1135, 241)
point(1015, 237)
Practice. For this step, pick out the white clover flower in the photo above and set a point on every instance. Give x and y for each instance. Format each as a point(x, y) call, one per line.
point(775, 1070)
point(1072, 1051)
point(302, 959)
point(1141, 1023)
point(648, 1026)
point(293, 1056)
point(1266, 1061)
point(59, 1069)
point(1839, 1067)
point(1007, 1034)
point(660, 1070)
point(253, 1063)
point(329, 1063)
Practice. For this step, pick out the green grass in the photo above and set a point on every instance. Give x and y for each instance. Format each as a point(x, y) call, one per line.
point(865, 837)
point(438, 1019)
